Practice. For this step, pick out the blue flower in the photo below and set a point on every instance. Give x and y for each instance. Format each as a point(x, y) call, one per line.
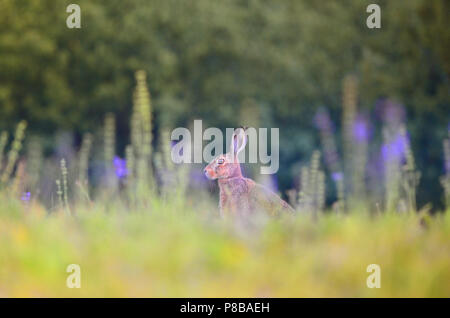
point(25, 196)
point(120, 167)
point(360, 130)
point(395, 149)
point(337, 176)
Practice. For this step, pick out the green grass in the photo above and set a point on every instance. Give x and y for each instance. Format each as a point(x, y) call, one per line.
point(173, 250)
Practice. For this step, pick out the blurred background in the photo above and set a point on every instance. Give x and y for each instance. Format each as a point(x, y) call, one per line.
point(296, 65)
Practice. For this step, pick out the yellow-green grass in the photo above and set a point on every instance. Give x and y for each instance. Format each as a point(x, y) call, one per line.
point(171, 250)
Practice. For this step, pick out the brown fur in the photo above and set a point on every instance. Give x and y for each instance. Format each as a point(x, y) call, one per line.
point(241, 196)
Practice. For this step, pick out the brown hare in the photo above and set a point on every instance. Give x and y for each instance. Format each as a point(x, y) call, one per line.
point(241, 196)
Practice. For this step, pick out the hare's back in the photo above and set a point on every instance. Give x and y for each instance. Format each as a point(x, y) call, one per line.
point(264, 200)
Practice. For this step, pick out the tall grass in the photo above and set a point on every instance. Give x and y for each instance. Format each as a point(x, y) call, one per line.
point(446, 178)
point(13, 153)
point(185, 253)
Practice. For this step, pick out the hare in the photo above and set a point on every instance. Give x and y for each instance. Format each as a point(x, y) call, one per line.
point(241, 196)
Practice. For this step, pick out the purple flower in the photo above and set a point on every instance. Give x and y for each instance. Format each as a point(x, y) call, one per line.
point(322, 120)
point(360, 130)
point(120, 167)
point(337, 176)
point(25, 196)
point(395, 149)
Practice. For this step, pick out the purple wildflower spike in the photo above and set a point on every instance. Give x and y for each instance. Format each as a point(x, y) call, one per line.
point(26, 196)
point(120, 167)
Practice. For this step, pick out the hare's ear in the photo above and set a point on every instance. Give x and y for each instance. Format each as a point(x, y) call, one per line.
point(238, 141)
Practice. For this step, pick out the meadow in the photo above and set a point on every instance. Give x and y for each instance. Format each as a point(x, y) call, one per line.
point(139, 227)
point(171, 250)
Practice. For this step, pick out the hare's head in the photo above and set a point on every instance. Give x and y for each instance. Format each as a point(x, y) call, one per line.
point(227, 165)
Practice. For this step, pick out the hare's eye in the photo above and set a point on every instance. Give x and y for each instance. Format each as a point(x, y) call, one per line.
point(220, 161)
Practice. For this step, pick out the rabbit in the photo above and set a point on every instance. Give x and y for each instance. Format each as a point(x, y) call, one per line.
point(241, 196)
